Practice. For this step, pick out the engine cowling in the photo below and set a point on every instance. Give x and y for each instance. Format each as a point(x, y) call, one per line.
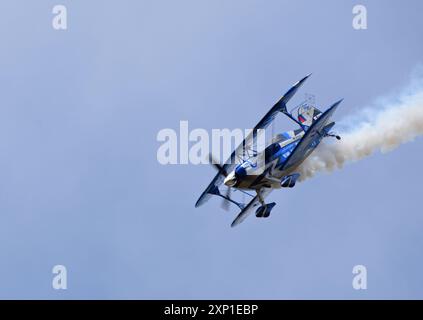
point(289, 181)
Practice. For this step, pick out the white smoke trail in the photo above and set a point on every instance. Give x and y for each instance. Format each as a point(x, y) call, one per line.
point(382, 127)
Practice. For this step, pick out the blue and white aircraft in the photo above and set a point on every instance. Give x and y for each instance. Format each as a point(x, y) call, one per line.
point(282, 157)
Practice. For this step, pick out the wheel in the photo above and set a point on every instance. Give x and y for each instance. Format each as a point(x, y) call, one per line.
point(264, 210)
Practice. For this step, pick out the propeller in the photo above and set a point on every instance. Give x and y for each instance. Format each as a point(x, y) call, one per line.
point(217, 166)
point(222, 171)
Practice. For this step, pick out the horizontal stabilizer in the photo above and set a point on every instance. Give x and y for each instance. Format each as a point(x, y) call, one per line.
point(311, 138)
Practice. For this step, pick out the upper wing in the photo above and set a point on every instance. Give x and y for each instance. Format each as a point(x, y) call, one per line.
point(311, 138)
point(250, 207)
point(230, 164)
point(280, 106)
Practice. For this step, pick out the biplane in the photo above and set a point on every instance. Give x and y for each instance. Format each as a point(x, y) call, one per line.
point(282, 157)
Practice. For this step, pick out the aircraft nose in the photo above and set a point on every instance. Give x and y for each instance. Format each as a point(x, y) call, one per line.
point(240, 172)
point(235, 176)
point(230, 180)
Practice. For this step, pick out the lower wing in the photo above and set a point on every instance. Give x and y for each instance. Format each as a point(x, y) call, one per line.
point(254, 203)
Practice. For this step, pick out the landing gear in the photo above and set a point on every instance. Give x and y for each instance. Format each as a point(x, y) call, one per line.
point(264, 210)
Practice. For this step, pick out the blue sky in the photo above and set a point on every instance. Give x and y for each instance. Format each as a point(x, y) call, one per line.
point(80, 184)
